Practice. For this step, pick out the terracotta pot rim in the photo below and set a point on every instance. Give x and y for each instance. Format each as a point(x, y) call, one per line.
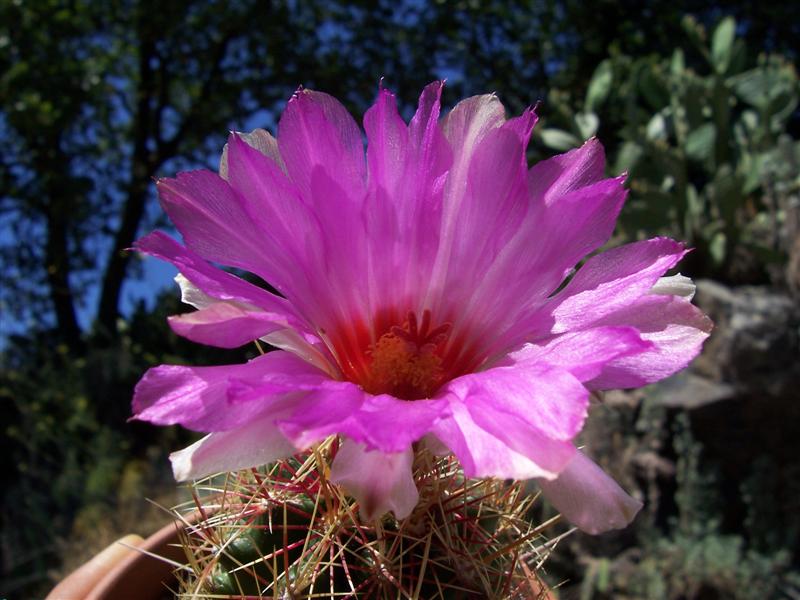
point(140, 574)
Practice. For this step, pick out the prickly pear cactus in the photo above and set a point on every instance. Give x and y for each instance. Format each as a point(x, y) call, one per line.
point(285, 531)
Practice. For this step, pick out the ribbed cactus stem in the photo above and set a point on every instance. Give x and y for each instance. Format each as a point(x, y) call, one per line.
point(285, 531)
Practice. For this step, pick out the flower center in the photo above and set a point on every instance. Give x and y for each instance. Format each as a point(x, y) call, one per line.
point(410, 361)
point(406, 361)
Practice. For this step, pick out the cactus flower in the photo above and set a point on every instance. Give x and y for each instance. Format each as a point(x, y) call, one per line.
point(427, 293)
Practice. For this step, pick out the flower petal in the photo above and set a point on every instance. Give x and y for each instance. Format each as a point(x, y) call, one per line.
point(255, 443)
point(380, 422)
point(478, 230)
point(572, 211)
point(226, 324)
point(468, 122)
point(535, 261)
point(560, 175)
point(483, 454)
point(676, 285)
point(410, 253)
point(275, 204)
point(589, 498)
point(316, 131)
point(612, 280)
point(193, 295)
point(210, 280)
point(540, 397)
point(465, 127)
point(574, 225)
point(675, 330)
point(217, 224)
point(387, 147)
point(305, 346)
point(380, 482)
point(259, 139)
point(199, 398)
point(583, 353)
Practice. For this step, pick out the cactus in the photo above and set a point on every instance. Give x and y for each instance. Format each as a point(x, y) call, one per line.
point(285, 531)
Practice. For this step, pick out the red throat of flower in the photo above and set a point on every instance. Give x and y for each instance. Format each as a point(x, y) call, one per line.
point(409, 360)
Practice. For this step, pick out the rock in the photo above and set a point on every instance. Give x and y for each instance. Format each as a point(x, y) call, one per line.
point(689, 391)
point(756, 342)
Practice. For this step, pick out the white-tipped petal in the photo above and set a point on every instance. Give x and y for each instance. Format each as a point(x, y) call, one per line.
point(260, 139)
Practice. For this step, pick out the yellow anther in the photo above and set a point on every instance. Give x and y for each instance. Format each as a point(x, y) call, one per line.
point(400, 366)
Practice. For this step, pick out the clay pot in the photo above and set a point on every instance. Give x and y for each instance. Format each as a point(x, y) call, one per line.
point(123, 573)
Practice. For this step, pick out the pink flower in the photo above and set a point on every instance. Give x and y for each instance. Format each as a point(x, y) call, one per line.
point(422, 300)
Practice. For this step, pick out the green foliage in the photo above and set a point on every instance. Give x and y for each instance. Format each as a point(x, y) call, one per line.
point(69, 462)
point(697, 559)
point(700, 133)
point(693, 555)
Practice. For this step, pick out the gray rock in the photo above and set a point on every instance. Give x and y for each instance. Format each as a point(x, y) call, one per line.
point(756, 342)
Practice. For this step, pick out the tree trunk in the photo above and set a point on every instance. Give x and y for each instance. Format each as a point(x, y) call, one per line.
point(118, 261)
point(141, 173)
point(57, 264)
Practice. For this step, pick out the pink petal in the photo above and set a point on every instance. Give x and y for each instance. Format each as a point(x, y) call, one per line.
point(379, 482)
point(332, 240)
point(258, 139)
point(416, 210)
point(316, 131)
point(522, 126)
point(612, 280)
point(380, 422)
point(216, 223)
point(465, 127)
point(256, 443)
point(305, 346)
point(424, 128)
point(509, 402)
point(538, 257)
point(275, 204)
point(676, 331)
point(332, 234)
point(199, 398)
point(226, 324)
point(389, 157)
point(387, 147)
point(432, 154)
point(468, 122)
point(589, 498)
point(210, 280)
point(344, 246)
point(583, 353)
point(574, 225)
point(478, 229)
point(571, 211)
point(483, 454)
point(555, 177)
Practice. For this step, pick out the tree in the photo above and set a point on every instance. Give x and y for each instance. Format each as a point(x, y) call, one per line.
point(98, 98)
